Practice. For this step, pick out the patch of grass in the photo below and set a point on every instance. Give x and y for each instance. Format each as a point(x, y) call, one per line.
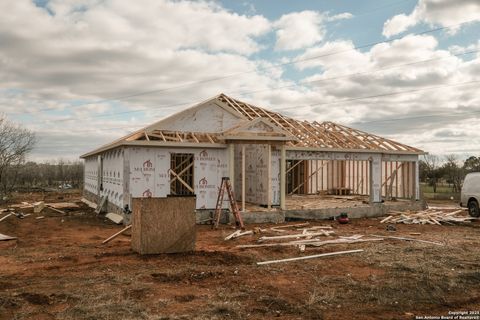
point(106, 305)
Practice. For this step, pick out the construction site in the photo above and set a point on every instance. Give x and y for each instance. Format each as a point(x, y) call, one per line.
point(58, 268)
point(295, 167)
point(248, 214)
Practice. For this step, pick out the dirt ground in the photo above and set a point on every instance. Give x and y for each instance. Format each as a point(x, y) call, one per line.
point(58, 269)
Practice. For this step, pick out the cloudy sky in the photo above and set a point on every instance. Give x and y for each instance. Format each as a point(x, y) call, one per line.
point(81, 73)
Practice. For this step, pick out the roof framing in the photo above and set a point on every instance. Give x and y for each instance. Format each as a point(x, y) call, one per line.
point(320, 135)
point(297, 134)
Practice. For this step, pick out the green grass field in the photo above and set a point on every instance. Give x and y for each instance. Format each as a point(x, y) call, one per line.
point(444, 191)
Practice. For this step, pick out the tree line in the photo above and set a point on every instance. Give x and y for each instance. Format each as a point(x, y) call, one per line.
point(50, 174)
point(435, 170)
point(16, 142)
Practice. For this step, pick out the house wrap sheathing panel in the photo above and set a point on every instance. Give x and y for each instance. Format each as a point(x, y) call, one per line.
point(91, 174)
point(150, 177)
point(113, 176)
point(256, 173)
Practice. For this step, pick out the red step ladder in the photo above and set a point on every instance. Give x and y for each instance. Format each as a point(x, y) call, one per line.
point(226, 185)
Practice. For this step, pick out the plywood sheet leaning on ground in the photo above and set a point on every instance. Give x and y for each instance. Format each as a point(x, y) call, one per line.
point(163, 225)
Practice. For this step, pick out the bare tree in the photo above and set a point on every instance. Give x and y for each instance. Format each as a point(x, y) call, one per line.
point(431, 170)
point(15, 143)
point(453, 172)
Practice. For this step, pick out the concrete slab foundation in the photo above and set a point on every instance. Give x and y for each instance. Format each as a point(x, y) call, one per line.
point(280, 216)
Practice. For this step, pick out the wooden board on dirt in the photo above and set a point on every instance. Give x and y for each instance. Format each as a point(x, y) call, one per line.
point(63, 205)
point(4, 237)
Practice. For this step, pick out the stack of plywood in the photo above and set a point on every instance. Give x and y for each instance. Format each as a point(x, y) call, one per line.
point(429, 216)
point(163, 225)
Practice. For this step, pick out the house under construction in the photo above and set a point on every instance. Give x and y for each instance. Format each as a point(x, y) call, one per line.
point(270, 159)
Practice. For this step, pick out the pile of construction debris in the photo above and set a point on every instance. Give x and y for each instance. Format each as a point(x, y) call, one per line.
point(39, 209)
point(308, 236)
point(433, 215)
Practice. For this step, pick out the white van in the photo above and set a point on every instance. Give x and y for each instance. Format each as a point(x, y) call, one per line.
point(470, 196)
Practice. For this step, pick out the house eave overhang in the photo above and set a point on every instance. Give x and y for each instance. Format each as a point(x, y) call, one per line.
point(144, 143)
point(420, 152)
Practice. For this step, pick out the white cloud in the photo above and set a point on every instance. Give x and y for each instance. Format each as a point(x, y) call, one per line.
point(299, 30)
point(340, 16)
point(333, 57)
point(445, 13)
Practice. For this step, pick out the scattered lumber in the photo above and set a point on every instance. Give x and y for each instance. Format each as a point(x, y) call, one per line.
point(408, 239)
point(443, 208)
point(292, 225)
point(114, 217)
point(299, 235)
point(8, 215)
point(101, 205)
point(56, 210)
point(310, 257)
point(4, 237)
point(116, 234)
point(312, 242)
point(429, 216)
point(89, 203)
point(63, 205)
point(205, 220)
point(316, 228)
point(38, 206)
point(280, 228)
point(237, 234)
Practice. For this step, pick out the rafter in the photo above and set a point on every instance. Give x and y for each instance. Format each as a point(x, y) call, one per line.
point(309, 134)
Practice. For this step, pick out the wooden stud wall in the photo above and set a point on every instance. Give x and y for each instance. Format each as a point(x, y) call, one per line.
point(181, 174)
point(325, 176)
point(398, 179)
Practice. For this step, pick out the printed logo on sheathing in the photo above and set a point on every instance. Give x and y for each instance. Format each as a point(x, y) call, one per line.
point(147, 165)
point(147, 168)
point(203, 184)
point(163, 175)
point(221, 165)
point(205, 156)
point(147, 193)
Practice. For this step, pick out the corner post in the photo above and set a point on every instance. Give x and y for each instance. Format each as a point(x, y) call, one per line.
point(376, 178)
point(283, 155)
point(416, 182)
point(269, 176)
point(231, 163)
point(243, 178)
